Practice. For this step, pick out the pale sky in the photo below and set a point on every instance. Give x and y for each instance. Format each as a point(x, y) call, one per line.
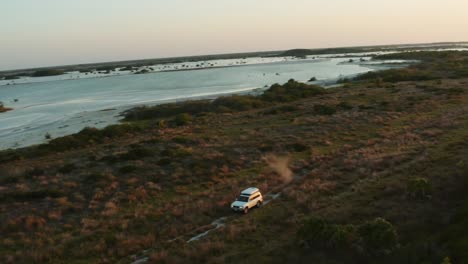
point(55, 32)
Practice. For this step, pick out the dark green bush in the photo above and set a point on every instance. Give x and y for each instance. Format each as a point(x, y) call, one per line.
point(88, 136)
point(398, 75)
point(169, 110)
point(379, 237)
point(12, 77)
point(67, 168)
point(36, 172)
point(183, 140)
point(136, 153)
point(164, 161)
point(30, 195)
point(9, 155)
point(324, 109)
point(47, 72)
point(281, 109)
point(299, 147)
point(119, 130)
point(105, 68)
point(183, 119)
point(238, 102)
point(344, 106)
point(291, 91)
point(419, 187)
point(322, 234)
point(94, 178)
point(374, 238)
point(128, 169)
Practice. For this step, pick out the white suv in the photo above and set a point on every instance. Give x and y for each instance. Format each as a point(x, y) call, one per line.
point(248, 198)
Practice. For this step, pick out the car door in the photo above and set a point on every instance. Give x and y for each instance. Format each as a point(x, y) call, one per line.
point(253, 200)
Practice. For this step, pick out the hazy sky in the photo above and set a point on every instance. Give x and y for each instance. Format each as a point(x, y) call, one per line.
point(55, 32)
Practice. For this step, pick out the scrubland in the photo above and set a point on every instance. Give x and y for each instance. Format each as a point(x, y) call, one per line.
point(379, 169)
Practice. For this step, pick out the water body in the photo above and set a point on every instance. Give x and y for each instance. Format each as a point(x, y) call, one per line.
point(62, 107)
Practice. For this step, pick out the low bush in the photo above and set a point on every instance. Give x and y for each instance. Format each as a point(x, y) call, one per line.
point(169, 110)
point(136, 154)
point(88, 136)
point(344, 106)
point(324, 109)
point(321, 234)
point(35, 172)
point(30, 195)
point(379, 237)
point(281, 109)
point(291, 91)
point(47, 72)
point(238, 102)
point(183, 119)
point(397, 75)
point(419, 187)
point(299, 147)
point(373, 238)
point(67, 168)
point(128, 169)
point(183, 140)
point(9, 155)
point(92, 178)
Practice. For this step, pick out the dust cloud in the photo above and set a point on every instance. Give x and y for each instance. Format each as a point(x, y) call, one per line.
point(280, 164)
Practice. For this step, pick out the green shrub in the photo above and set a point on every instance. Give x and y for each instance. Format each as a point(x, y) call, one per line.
point(281, 109)
point(136, 153)
point(164, 161)
point(316, 231)
point(324, 109)
point(67, 168)
point(238, 102)
point(344, 106)
point(169, 110)
point(106, 68)
point(36, 172)
point(419, 187)
point(446, 260)
point(379, 237)
point(128, 169)
point(299, 147)
point(321, 234)
point(94, 177)
point(291, 91)
point(30, 195)
point(455, 234)
point(47, 72)
point(114, 131)
point(397, 75)
point(183, 140)
point(183, 119)
point(9, 155)
point(12, 77)
point(88, 136)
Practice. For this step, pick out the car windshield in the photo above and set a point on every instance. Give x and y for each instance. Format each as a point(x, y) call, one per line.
point(243, 198)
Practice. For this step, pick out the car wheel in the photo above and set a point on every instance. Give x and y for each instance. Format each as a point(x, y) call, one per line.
point(259, 203)
point(246, 210)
